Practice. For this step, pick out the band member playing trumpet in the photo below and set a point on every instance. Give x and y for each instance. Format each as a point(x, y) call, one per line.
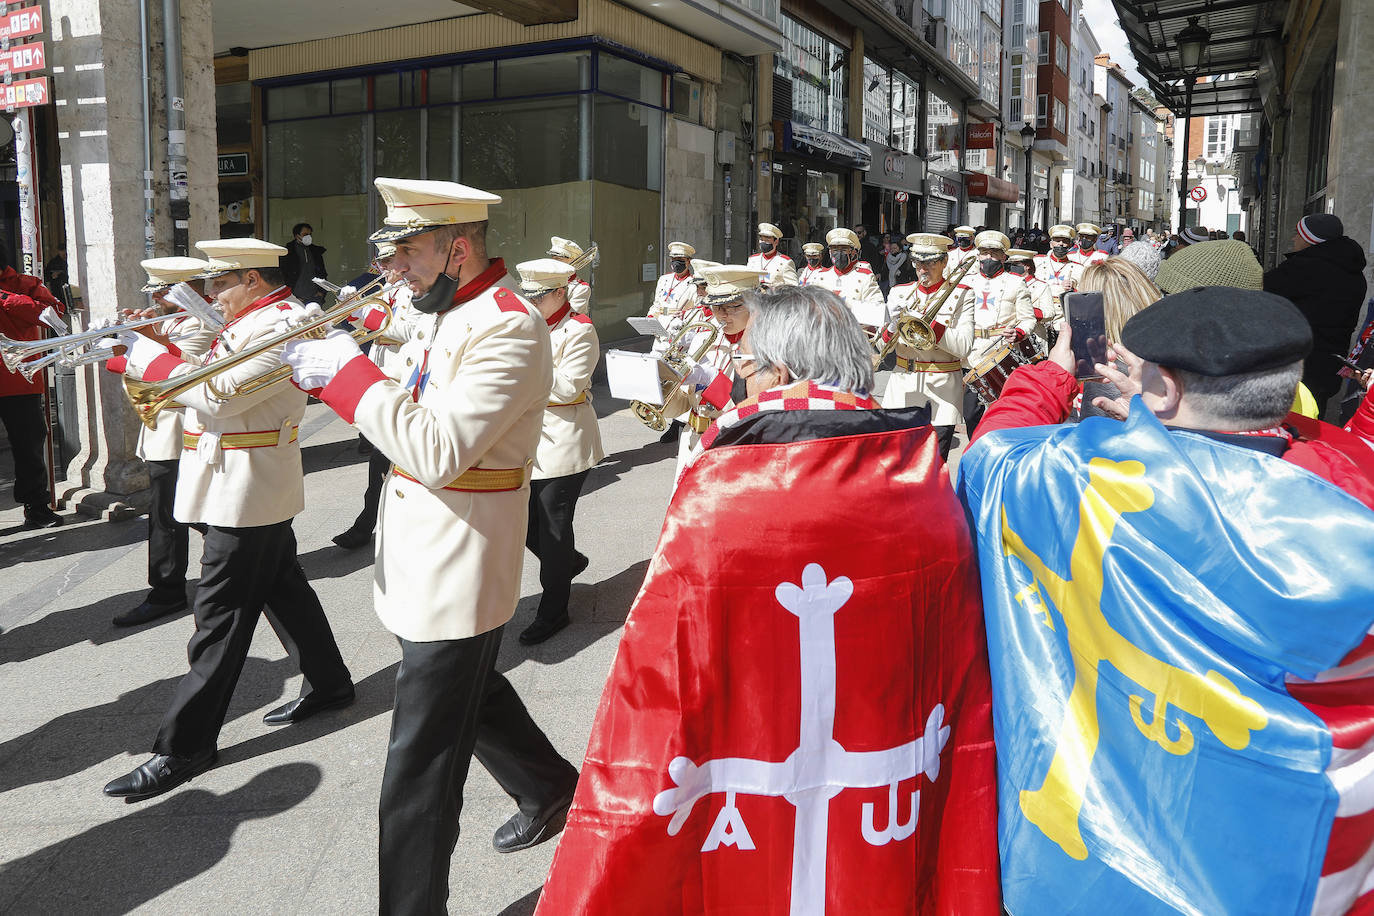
point(569, 444)
point(933, 376)
point(160, 446)
point(462, 427)
point(579, 291)
point(675, 293)
point(777, 267)
point(240, 475)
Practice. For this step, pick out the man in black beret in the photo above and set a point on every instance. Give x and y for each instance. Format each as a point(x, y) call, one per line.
point(1324, 277)
point(1215, 360)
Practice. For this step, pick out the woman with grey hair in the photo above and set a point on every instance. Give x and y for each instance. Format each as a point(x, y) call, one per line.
point(805, 333)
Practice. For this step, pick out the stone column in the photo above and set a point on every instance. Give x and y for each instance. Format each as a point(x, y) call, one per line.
point(1350, 171)
point(763, 121)
point(96, 54)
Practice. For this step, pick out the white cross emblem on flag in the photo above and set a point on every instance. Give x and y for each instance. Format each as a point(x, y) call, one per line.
point(819, 769)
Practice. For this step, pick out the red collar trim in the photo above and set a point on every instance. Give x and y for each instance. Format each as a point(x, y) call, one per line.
point(552, 320)
point(734, 338)
point(850, 268)
point(930, 289)
point(1063, 260)
point(272, 298)
point(480, 283)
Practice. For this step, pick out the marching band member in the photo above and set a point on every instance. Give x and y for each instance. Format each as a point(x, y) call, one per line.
point(240, 475)
point(462, 429)
point(699, 311)
point(569, 444)
point(963, 248)
point(1055, 268)
point(814, 252)
point(675, 293)
point(1001, 305)
point(852, 279)
point(710, 384)
point(161, 448)
point(579, 291)
point(778, 267)
point(1044, 303)
point(934, 376)
point(1087, 253)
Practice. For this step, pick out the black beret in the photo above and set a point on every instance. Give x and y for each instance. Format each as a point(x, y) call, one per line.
point(1219, 330)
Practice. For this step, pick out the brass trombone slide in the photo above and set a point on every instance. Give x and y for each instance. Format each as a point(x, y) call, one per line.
point(914, 329)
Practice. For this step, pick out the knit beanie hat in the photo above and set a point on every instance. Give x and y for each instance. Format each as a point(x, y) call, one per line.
point(1225, 262)
point(1194, 234)
point(1144, 256)
point(1316, 228)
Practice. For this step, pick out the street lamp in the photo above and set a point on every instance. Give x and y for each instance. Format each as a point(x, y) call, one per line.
point(1192, 40)
point(1027, 141)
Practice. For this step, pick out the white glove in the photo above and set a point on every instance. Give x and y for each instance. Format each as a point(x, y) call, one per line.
point(700, 376)
point(53, 320)
point(345, 292)
point(315, 362)
point(139, 352)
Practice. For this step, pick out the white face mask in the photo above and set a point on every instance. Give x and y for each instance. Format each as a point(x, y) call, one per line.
point(307, 239)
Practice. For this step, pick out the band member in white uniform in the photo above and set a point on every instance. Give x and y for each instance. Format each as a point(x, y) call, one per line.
point(1047, 310)
point(579, 291)
point(463, 428)
point(935, 376)
point(963, 248)
point(675, 294)
point(569, 444)
point(1087, 252)
point(815, 255)
point(1001, 306)
point(777, 267)
point(852, 280)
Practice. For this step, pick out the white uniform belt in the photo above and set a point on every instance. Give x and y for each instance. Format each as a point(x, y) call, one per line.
point(478, 480)
point(580, 399)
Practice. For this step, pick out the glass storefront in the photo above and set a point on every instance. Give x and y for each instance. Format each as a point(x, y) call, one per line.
point(807, 203)
point(571, 140)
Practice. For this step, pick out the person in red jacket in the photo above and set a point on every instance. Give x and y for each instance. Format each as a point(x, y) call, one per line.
point(1219, 361)
point(25, 307)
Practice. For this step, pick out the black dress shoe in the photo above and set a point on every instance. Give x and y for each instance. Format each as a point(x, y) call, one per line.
point(147, 611)
point(37, 515)
point(542, 629)
point(354, 538)
point(672, 432)
point(523, 831)
point(302, 708)
point(160, 774)
point(579, 565)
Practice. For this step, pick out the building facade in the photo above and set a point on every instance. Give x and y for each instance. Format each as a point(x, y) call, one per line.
point(1110, 82)
point(1052, 108)
point(1083, 203)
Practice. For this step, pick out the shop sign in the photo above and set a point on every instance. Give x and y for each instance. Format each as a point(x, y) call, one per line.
point(23, 58)
point(982, 186)
point(894, 169)
point(24, 93)
point(22, 23)
point(944, 185)
point(233, 164)
point(980, 136)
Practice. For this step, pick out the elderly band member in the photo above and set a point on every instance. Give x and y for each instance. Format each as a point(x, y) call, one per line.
point(240, 476)
point(579, 291)
point(777, 267)
point(462, 427)
point(569, 444)
point(934, 376)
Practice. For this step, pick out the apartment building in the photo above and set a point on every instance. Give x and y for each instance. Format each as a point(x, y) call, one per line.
point(1082, 201)
point(1111, 82)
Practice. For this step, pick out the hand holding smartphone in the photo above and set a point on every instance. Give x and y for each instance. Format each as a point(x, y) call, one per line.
point(1088, 325)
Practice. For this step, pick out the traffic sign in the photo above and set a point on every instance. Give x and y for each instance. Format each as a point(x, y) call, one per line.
point(24, 93)
point(22, 23)
point(23, 58)
point(901, 197)
point(1199, 193)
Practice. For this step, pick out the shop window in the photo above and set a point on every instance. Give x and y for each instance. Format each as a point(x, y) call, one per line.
point(629, 80)
point(316, 158)
point(497, 151)
point(233, 114)
point(543, 75)
point(627, 140)
point(348, 95)
point(441, 144)
point(396, 144)
point(463, 83)
point(395, 90)
point(305, 101)
point(1319, 139)
point(686, 101)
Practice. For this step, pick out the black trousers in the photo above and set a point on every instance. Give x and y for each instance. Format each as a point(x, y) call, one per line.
point(973, 412)
point(243, 570)
point(451, 703)
point(377, 466)
point(553, 502)
point(1319, 375)
point(22, 415)
point(945, 436)
point(168, 539)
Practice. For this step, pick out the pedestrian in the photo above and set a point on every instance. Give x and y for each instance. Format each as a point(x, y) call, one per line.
point(302, 263)
point(451, 533)
point(1324, 277)
point(897, 267)
point(1219, 263)
point(1144, 256)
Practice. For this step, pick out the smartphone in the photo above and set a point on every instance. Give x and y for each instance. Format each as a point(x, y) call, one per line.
point(1349, 363)
point(1088, 324)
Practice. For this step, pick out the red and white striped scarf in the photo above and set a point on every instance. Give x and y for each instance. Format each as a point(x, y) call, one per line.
point(803, 395)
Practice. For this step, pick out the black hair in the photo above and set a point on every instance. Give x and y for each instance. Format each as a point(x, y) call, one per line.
point(296, 229)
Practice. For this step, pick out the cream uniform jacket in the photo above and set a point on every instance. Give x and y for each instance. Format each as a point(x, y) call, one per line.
point(957, 256)
point(998, 302)
point(386, 348)
point(781, 270)
point(164, 441)
point(856, 286)
point(710, 402)
point(674, 297)
point(244, 468)
point(1082, 262)
point(466, 414)
point(580, 295)
point(570, 440)
point(933, 377)
point(1044, 305)
point(810, 275)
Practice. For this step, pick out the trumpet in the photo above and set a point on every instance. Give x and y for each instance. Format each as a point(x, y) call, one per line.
point(914, 329)
point(69, 358)
point(15, 352)
point(673, 369)
point(151, 398)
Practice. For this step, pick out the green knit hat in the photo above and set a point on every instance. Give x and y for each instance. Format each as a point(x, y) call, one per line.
point(1225, 262)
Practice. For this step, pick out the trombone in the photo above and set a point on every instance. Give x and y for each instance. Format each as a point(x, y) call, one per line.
point(914, 328)
point(589, 258)
point(150, 398)
point(673, 369)
point(15, 352)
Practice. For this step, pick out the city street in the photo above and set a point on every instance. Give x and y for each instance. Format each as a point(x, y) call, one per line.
point(286, 823)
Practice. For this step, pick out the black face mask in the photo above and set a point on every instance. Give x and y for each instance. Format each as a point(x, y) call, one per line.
point(965, 243)
point(1086, 244)
point(679, 265)
point(766, 247)
point(1059, 251)
point(842, 259)
point(812, 262)
point(1019, 269)
point(438, 297)
point(989, 267)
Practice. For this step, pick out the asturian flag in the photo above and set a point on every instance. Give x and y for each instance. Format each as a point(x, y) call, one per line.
point(1181, 662)
point(798, 719)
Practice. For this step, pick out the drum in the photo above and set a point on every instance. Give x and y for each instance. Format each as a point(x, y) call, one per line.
point(987, 379)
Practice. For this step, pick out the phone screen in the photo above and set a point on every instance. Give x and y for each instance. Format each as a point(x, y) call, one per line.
point(1088, 325)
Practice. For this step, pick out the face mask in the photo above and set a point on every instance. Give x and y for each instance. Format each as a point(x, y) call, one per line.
point(842, 259)
point(812, 262)
point(1019, 269)
point(965, 243)
point(307, 239)
point(679, 266)
point(765, 246)
point(989, 267)
point(439, 296)
point(1059, 250)
point(1085, 244)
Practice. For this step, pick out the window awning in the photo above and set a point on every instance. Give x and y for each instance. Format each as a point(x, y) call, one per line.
point(825, 145)
point(987, 187)
point(1240, 31)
